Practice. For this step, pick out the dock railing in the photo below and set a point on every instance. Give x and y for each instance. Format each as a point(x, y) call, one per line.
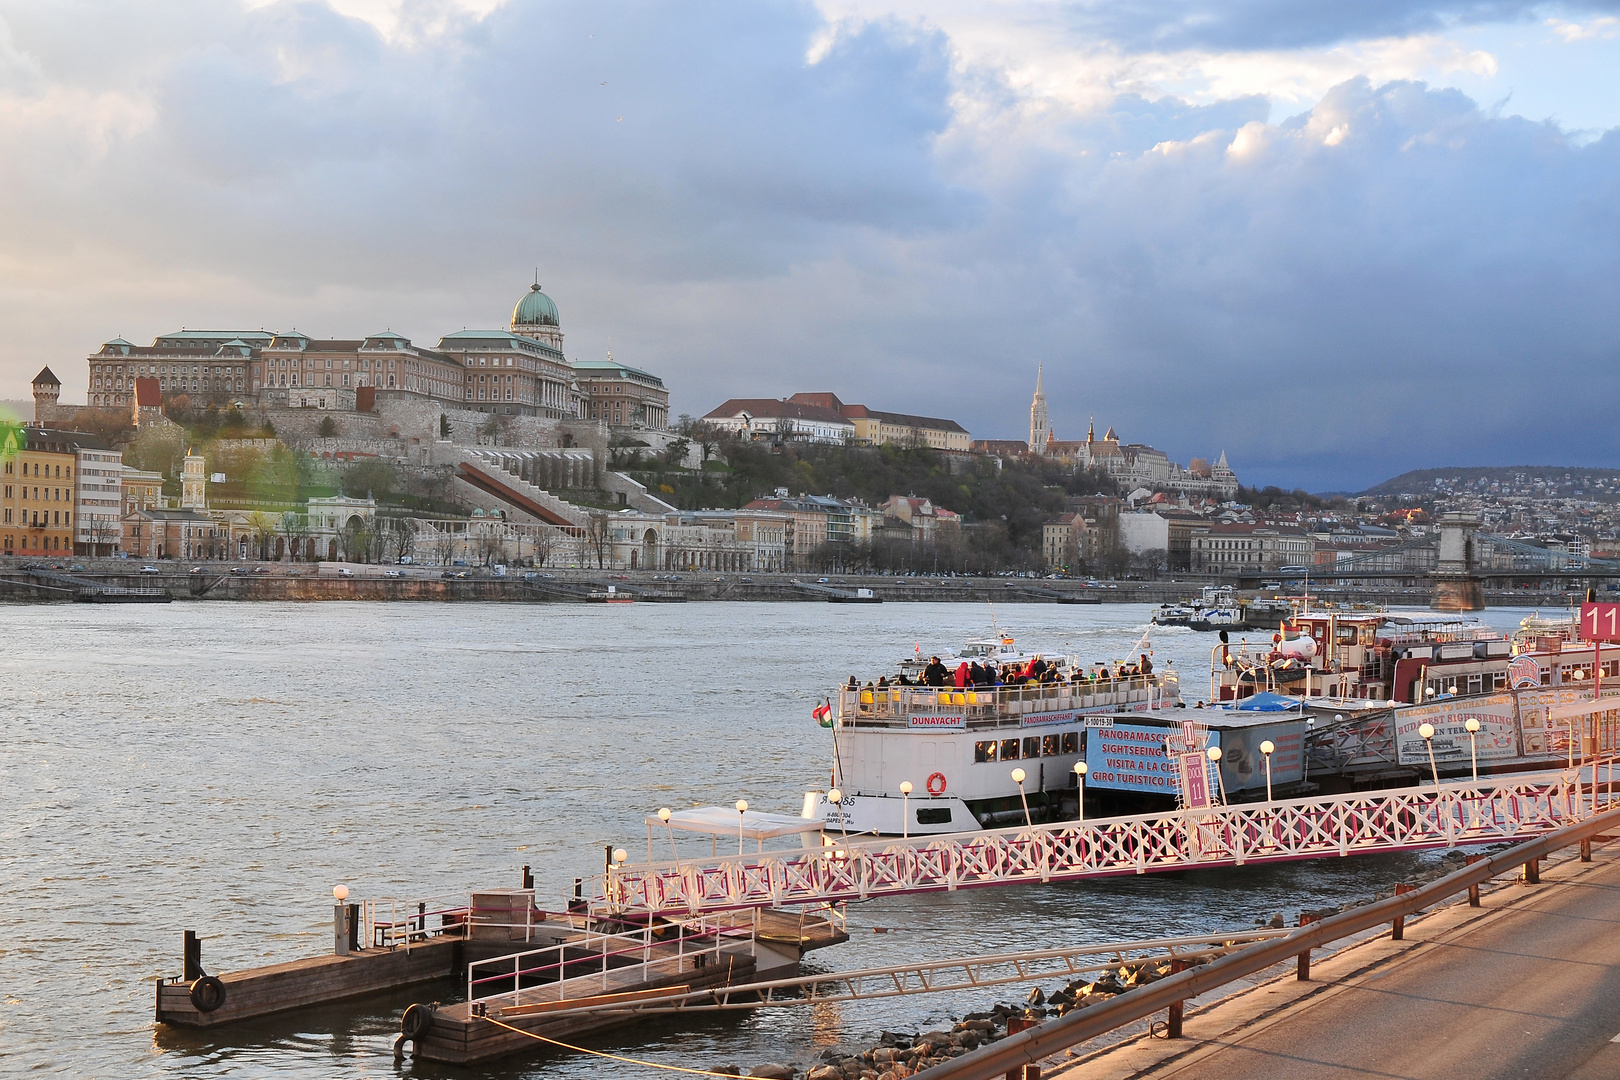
point(389, 922)
point(1495, 809)
point(584, 961)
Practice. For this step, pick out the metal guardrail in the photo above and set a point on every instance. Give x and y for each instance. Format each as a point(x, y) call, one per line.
point(936, 976)
point(897, 704)
point(1034, 1044)
point(1496, 809)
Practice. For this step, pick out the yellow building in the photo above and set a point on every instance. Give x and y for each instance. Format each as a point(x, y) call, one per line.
point(37, 491)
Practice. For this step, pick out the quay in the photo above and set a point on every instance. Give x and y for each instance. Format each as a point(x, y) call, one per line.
point(1522, 985)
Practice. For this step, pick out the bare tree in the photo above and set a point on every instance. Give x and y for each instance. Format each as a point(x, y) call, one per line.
point(599, 537)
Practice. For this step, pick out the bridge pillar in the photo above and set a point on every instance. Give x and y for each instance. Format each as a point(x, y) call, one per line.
point(1455, 586)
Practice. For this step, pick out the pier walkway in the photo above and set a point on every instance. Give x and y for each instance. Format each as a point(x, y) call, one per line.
point(840, 869)
point(1525, 987)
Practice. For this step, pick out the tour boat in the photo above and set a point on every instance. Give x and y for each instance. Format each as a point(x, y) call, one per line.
point(958, 748)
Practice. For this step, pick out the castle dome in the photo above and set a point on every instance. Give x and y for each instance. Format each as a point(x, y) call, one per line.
point(535, 309)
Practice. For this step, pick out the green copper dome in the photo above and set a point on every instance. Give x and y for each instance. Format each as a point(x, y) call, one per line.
point(535, 309)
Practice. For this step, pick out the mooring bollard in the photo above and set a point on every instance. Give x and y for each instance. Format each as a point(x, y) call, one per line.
point(193, 957)
point(1304, 973)
point(1473, 890)
point(1532, 872)
point(1586, 850)
point(528, 877)
point(1172, 1027)
point(1399, 933)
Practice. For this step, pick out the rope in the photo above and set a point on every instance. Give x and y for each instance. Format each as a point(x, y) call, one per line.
point(610, 1057)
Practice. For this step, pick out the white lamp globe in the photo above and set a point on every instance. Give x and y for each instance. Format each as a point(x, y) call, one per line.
point(835, 795)
point(1079, 768)
point(664, 815)
point(1214, 753)
point(1426, 731)
point(1268, 748)
point(619, 855)
point(742, 806)
point(905, 788)
point(1018, 776)
point(340, 893)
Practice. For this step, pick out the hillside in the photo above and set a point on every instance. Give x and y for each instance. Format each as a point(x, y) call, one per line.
point(1547, 481)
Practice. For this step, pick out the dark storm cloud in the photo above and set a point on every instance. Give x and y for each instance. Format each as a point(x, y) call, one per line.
point(1391, 279)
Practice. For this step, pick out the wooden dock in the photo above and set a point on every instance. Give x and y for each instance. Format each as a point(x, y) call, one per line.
point(463, 1033)
point(314, 980)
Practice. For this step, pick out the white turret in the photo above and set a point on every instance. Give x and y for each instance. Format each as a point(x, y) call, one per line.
point(1039, 429)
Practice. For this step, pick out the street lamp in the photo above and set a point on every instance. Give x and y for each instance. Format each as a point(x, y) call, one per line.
point(1080, 782)
point(664, 815)
point(742, 808)
point(905, 809)
point(1472, 727)
point(1018, 778)
point(1427, 732)
point(1214, 755)
point(1267, 748)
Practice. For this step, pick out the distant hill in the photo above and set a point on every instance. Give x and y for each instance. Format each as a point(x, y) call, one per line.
point(1549, 480)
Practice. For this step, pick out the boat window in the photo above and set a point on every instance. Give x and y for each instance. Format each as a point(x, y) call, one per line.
point(1498, 680)
point(933, 815)
point(1071, 742)
point(1049, 745)
point(1009, 749)
point(1032, 746)
point(984, 751)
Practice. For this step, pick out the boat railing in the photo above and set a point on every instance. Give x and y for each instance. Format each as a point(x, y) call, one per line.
point(895, 703)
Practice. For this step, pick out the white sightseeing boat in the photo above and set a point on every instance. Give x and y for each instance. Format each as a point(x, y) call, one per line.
point(957, 748)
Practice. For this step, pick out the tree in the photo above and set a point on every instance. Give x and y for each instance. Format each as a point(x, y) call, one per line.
point(157, 448)
point(327, 428)
point(444, 425)
point(599, 537)
point(372, 476)
point(263, 528)
point(674, 454)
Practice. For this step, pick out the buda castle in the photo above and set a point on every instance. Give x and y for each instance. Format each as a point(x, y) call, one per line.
point(517, 371)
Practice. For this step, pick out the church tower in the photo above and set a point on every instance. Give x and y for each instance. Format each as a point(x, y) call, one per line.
point(1040, 430)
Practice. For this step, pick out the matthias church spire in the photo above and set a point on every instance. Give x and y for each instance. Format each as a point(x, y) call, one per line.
point(1040, 430)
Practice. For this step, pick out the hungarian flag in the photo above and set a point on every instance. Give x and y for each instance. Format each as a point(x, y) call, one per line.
point(823, 714)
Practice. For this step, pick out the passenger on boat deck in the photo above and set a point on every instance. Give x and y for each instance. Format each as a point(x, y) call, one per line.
point(981, 675)
point(901, 680)
point(1146, 665)
point(883, 682)
point(853, 685)
point(960, 675)
point(935, 674)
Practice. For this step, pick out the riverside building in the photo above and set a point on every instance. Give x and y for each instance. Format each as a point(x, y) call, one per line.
point(38, 477)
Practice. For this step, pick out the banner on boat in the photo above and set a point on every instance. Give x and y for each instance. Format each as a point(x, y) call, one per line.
point(1042, 719)
point(1497, 738)
point(929, 722)
point(1127, 757)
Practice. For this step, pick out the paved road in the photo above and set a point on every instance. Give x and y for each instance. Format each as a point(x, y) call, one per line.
point(1533, 993)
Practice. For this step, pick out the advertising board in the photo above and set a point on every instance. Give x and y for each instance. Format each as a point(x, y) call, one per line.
point(1497, 737)
point(1129, 757)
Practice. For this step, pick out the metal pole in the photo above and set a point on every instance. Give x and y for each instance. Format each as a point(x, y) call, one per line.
point(1473, 753)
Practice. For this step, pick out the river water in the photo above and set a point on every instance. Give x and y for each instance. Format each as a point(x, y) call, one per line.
point(219, 767)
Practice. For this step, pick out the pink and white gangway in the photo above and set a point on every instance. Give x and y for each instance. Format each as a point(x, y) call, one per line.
point(1491, 810)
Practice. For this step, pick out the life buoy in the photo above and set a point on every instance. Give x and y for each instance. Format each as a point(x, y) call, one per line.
point(936, 783)
point(207, 993)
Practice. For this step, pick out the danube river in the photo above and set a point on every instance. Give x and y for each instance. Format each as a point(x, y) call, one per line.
point(219, 767)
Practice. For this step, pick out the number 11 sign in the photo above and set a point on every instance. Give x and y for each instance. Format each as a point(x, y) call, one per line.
point(1600, 622)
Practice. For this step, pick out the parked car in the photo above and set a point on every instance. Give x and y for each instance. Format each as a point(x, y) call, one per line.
point(391, 573)
point(344, 571)
point(238, 569)
point(261, 569)
point(195, 570)
point(150, 570)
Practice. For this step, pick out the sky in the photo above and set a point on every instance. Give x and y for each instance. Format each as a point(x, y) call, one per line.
point(1337, 241)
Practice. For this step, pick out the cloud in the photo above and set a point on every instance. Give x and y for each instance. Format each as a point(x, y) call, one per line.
point(911, 209)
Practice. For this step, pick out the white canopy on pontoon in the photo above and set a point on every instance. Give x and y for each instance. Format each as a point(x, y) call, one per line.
point(723, 821)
